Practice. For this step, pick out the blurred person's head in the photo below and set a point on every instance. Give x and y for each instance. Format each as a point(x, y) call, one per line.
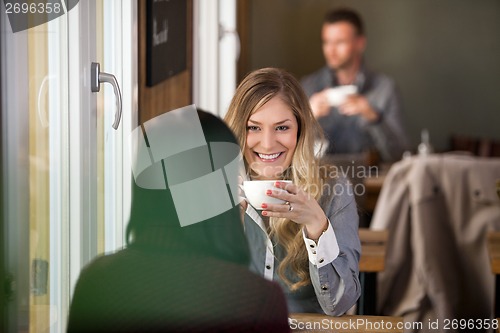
point(343, 39)
point(272, 119)
point(155, 219)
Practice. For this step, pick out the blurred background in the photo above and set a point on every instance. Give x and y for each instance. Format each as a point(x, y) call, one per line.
point(444, 55)
point(65, 170)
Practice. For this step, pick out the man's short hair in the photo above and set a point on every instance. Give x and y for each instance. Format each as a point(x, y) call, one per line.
point(345, 15)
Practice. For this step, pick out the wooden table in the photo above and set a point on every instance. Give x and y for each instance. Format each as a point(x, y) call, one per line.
point(314, 322)
point(372, 261)
point(494, 253)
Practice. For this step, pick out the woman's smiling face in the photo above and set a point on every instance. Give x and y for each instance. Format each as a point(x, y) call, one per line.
point(271, 139)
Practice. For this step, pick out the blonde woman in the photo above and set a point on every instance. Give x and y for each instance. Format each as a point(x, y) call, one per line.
point(310, 243)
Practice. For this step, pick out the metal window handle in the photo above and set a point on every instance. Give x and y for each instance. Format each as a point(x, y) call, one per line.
point(96, 78)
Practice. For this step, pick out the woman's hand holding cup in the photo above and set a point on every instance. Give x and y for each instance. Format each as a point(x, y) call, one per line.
point(298, 206)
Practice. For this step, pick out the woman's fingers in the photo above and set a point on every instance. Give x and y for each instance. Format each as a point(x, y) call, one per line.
point(299, 206)
point(287, 186)
point(280, 194)
point(288, 193)
point(281, 210)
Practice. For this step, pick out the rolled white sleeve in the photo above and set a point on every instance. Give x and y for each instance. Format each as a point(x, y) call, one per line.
point(325, 251)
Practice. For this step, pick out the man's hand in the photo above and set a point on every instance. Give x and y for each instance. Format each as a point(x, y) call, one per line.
point(319, 104)
point(358, 105)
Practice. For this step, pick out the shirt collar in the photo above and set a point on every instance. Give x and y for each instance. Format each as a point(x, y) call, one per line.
point(360, 81)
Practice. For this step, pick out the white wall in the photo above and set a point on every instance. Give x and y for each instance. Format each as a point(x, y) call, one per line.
point(216, 48)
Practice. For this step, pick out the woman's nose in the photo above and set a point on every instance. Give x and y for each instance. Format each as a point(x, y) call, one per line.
point(267, 140)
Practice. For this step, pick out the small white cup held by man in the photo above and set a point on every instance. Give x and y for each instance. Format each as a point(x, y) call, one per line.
point(255, 192)
point(337, 95)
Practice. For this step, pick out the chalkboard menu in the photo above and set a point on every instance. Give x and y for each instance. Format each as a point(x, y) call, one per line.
point(166, 39)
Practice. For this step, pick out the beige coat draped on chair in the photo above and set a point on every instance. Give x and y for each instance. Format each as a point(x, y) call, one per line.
point(438, 210)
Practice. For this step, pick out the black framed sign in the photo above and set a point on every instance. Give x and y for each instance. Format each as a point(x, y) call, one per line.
point(166, 41)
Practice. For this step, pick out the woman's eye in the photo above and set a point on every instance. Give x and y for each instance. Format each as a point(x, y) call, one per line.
point(281, 128)
point(252, 128)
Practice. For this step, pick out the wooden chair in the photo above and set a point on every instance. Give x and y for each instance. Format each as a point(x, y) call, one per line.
point(315, 323)
point(498, 187)
point(373, 248)
point(373, 186)
point(372, 261)
point(478, 146)
point(494, 254)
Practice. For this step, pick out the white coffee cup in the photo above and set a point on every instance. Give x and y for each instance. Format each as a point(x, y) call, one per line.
point(255, 192)
point(337, 95)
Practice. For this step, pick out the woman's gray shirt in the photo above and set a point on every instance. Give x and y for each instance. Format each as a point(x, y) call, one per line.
point(335, 286)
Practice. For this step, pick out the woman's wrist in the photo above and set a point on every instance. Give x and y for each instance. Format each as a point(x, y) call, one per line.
point(315, 231)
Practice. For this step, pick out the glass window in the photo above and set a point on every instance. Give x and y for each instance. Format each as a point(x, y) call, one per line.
point(65, 170)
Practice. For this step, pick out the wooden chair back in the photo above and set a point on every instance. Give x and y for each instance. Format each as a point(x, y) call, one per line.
point(494, 251)
point(373, 250)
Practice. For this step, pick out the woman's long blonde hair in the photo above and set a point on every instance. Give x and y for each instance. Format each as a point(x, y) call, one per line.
point(253, 92)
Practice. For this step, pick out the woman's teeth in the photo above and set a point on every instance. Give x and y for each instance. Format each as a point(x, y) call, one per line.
point(269, 157)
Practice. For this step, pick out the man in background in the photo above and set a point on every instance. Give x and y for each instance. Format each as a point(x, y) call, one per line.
point(368, 118)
